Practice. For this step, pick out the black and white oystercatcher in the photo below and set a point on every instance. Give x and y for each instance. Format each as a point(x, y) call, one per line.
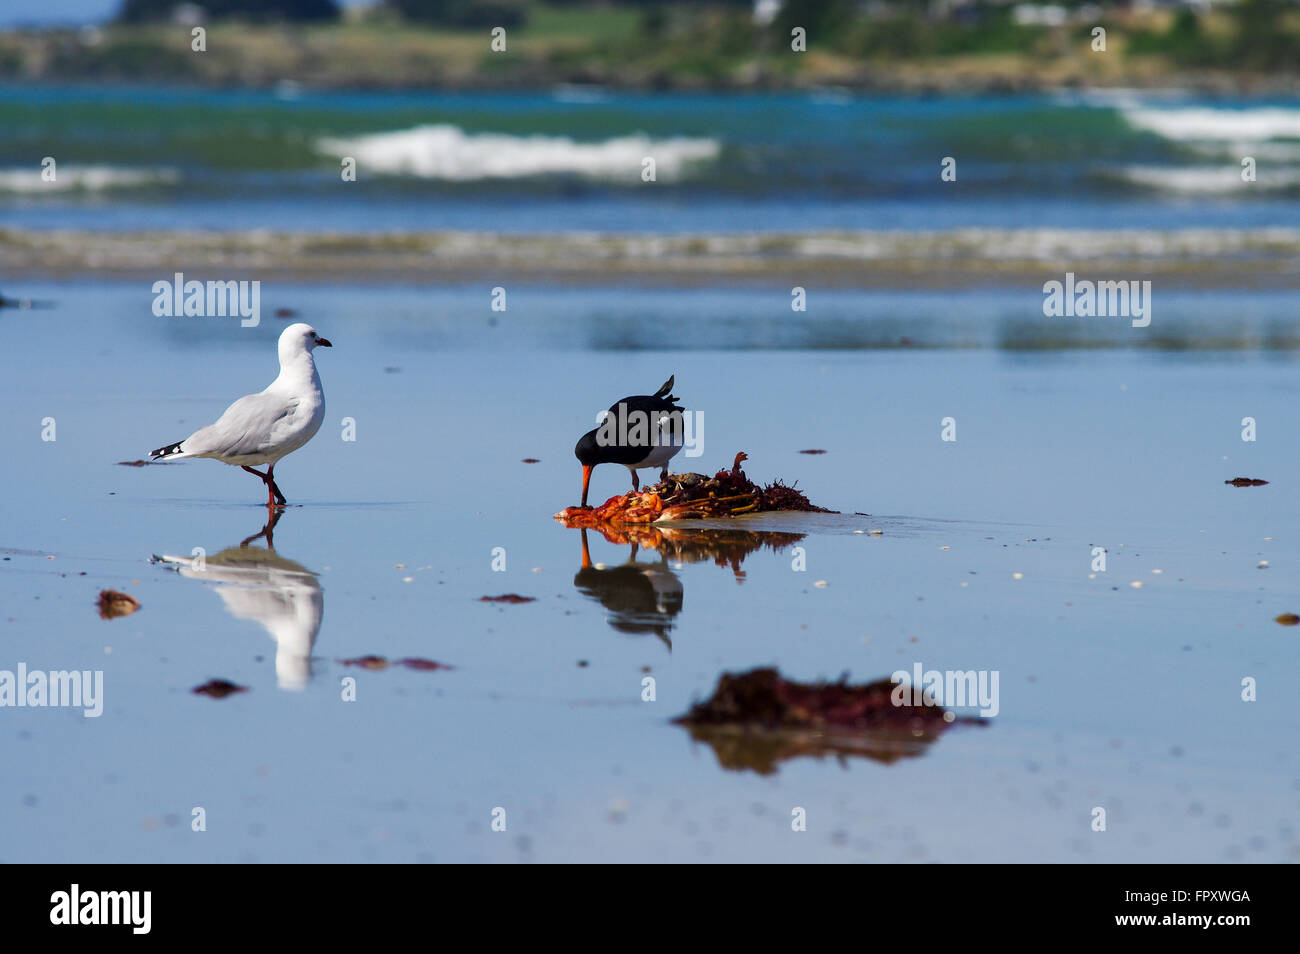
point(641, 431)
point(262, 428)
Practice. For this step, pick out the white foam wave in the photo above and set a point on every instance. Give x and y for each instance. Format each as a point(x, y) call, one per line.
point(1192, 124)
point(28, 181)
point(448, 152)
point(1208, 180)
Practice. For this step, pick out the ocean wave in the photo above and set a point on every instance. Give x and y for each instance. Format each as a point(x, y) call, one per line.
point(1207, 180)
point(1192, 124)
point(28, 180)
point(448, 152)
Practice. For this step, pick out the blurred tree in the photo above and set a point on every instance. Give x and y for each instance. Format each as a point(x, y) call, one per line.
point(821, 18)
point(463, 13)
point(1262, 42)
point(136, 11)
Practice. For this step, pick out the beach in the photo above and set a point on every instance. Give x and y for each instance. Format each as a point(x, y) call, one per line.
point(1111, 694)
point(1034, 352)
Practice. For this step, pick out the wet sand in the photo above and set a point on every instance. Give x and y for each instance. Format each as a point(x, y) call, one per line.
point(1114, 696)
point(1172, 259)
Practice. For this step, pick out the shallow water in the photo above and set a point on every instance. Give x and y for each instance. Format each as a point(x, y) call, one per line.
point(1113, 696)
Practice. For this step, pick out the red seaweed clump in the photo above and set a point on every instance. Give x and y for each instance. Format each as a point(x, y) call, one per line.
point(377, 663)
point(757, 719)
point(422, 665)
point(511, 598)
point(113, 604)
point(728, 493)
point(374, 663)
point(218, 689)
point(1246, 482)
point(765, 699)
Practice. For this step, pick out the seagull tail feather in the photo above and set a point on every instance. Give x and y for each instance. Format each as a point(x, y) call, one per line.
point(171, 450)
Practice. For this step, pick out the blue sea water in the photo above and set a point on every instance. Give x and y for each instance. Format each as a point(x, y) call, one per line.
point(157, 159)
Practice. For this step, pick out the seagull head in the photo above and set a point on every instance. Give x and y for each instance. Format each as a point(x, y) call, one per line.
point(301, 337)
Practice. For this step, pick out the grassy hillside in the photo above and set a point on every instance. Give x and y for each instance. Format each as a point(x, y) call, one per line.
point(688, 46)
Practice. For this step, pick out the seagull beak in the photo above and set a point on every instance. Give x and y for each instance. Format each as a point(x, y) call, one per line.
point(586, 479)
point(323, 343)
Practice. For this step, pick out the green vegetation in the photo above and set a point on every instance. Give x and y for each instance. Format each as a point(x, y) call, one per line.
point(142, 11)
point(706, 44)
point(463, 13)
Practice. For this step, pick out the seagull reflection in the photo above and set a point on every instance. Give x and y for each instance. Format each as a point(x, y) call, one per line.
point(258, 584)
point(646, 597)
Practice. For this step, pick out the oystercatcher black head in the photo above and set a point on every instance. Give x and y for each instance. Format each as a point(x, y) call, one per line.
point(645, 430)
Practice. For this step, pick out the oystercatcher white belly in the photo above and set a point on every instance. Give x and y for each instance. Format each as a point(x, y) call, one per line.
point(658, 457)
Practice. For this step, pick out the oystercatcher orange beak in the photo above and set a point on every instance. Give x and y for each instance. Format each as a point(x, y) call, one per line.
point(586, 480)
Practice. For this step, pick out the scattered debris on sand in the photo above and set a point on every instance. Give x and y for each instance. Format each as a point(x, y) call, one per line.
point(1246, 482)
point(530, 460)
point(113, 604)
point(814, 451)
point(1288, 619)
point(757, 719)
point(377, 663)
point(366, 662)
point(422, 665)
point(727, 493)
point(218, 689)
point(511, 598)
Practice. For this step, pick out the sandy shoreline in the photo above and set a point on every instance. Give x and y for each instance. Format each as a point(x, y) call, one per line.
point(1190, 258)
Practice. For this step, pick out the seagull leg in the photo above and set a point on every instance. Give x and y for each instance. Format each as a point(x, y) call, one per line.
point(273, 494)
point(255, 473)
point(271, 485)
point(663, 474)
point(636, 481)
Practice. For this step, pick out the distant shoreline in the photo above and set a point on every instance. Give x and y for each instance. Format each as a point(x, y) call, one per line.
point(960, 258)
point(367, 57)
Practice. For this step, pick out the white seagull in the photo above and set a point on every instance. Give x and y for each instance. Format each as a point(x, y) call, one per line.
point(262, 428)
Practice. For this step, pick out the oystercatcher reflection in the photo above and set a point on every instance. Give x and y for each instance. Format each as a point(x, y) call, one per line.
point(642, 431)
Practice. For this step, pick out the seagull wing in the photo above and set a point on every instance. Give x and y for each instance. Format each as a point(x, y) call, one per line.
point(247, 427)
